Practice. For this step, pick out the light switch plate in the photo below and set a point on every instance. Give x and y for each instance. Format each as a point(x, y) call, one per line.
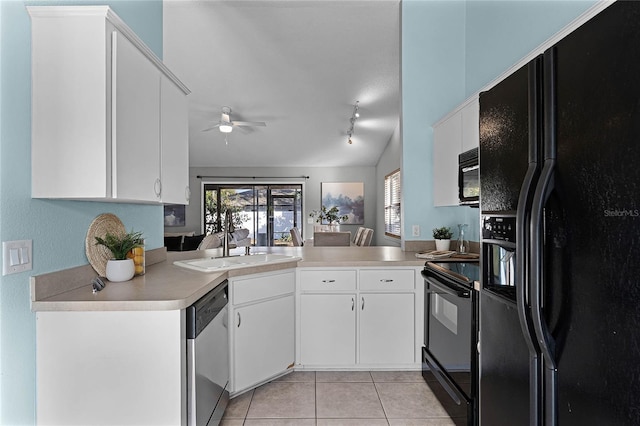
point(17, 256)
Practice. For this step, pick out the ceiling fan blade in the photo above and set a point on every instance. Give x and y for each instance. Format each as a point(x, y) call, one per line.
point(211, 128)
point(249, 123)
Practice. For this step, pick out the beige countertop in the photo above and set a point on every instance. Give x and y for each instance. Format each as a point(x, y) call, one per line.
point(166, 286)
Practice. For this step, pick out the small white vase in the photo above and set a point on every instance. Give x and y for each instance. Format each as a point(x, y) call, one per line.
point(120, 270)
point(443, 245)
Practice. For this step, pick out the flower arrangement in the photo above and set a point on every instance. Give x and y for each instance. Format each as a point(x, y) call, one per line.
point(331, 215)
point(120, 245)
point(442, 233)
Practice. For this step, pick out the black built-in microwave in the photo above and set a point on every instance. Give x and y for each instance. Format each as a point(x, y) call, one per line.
point(469, 178)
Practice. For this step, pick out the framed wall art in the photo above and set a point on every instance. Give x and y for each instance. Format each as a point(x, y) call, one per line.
point(174, 215)
point(348, 197)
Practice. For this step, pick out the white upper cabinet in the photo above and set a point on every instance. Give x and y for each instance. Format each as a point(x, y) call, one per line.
point(109, 120)
point(174, 136)
point(470, 126)
point(446, 147)
point(457, 133)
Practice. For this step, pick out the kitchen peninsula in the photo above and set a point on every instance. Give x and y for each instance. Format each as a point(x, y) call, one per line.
point(119, 354)
point(70, 290)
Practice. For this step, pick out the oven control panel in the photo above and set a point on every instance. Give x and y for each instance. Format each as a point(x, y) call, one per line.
point(502, 228)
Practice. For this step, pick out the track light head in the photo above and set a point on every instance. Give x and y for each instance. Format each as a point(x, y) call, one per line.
point(353, 119)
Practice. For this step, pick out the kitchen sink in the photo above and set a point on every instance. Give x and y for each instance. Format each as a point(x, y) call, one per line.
point(217, 264)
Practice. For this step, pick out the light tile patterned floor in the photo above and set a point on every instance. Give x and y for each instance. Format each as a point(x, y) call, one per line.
point(339, 398)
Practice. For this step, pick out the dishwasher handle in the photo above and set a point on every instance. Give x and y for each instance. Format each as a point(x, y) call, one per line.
point(225, 318)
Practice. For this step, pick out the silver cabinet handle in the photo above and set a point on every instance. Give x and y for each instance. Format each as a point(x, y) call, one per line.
point(187, 193)
point(386, 280)
point(353, 303)
point(239, 319)
point(328, 281)
point(157, 187)
point(362, 304)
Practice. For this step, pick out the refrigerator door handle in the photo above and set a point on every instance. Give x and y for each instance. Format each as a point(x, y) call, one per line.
point(545, 340)
point(523, 237)
point(523, 295)
point(544, 188)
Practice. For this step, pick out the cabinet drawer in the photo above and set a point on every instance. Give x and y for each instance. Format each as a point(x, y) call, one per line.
point(387, 279)
point(256, 288)
point(328, 280)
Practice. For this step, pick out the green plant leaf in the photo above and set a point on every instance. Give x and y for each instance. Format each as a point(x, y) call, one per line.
point(120, 245)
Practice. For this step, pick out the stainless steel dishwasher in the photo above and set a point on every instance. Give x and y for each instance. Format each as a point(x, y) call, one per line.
point(208, 358)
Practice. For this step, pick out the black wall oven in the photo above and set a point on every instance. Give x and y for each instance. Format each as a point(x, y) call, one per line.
point(449, 355)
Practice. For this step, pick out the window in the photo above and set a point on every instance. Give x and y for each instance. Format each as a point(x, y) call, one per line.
point(267, 211)
point(392, 194)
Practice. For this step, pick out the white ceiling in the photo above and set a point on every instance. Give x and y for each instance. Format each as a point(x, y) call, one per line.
point(299, 66)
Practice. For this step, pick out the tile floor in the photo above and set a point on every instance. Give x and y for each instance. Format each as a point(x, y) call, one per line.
point(350, 398)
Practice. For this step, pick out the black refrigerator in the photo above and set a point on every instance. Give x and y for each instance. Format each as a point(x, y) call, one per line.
point(560, 211)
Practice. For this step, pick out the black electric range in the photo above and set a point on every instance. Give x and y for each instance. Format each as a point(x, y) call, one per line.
point(449, 355)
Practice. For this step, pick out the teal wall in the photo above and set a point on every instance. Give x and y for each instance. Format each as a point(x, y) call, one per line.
point(500, 33)
point(433, 76)
point(57, 228)
point(450, 50)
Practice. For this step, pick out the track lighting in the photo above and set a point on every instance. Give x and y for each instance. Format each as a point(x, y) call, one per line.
point(353, 119)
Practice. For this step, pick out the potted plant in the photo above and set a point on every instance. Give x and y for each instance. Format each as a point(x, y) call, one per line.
point(331, 216)
point(120, 268)
point(442, 236)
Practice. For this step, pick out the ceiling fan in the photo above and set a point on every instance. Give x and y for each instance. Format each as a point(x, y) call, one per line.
point(225, 125)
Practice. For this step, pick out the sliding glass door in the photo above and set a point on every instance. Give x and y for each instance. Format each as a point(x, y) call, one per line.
point(267, 211)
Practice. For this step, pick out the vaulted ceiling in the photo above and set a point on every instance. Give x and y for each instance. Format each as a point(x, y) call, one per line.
point(299, 66)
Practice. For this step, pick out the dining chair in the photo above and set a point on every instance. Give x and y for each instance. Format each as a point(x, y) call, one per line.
point(365, 238)
point(356, 239)
point(296, 238)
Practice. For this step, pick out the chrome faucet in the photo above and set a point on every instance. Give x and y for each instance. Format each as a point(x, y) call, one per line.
point(227, 230)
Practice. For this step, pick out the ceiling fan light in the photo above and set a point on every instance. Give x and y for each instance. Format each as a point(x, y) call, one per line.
point(226, 128)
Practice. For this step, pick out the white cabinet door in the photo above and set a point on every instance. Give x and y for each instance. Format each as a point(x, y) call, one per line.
point(387, 328)
point(446, 147)
point(68, 109)
point(470, 126)
point(175, 143)
point(328, 329)
point(263, 341)
point(135, 123)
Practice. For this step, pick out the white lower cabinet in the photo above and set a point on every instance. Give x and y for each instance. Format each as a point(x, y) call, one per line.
point(368, 319)
point(111, 368)
point(262, 328)
point(387, 324)
point(328, 329)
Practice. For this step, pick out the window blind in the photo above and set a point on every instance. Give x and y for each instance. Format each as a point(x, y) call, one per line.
point(392, 195)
